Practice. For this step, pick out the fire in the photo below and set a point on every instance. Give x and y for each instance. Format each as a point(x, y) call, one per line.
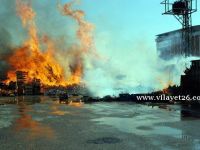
point(42, 64)
point(84, 33)
point(166, 85)
point(27, 16)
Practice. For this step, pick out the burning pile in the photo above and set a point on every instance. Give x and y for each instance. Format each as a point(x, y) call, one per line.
point(42, 63)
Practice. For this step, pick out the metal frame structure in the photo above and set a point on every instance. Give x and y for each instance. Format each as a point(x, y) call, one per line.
point(184, 17)
point(183, 13)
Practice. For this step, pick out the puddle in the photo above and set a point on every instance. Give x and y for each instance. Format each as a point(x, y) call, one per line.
point(136, 126)
point(32, 126)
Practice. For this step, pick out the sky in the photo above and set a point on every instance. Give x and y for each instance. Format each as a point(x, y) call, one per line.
point(131, 19)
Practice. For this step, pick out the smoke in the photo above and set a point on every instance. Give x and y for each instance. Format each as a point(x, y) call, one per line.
point(137, 68)
point(10, 34)
point(84, 33)
point(5, 51)
point(10, 22)
point(54, 54)
point(85, 29)
point(106, 69)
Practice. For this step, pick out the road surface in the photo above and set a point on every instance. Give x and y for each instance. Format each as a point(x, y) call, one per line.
point(41, 123)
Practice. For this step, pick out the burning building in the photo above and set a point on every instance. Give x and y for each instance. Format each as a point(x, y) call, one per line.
point(21, 81)
point(33, 88)
point(25, 87)
point(171, 44)
point(190, 82)
point(36, 86)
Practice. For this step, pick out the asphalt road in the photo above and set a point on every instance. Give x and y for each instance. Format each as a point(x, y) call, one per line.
point(41, 123)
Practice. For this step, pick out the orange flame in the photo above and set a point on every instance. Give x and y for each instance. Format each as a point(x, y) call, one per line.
point(166, 86)
point(39, 64)
point(84, 32)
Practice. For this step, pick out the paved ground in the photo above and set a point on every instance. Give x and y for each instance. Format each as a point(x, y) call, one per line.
point(41, 123)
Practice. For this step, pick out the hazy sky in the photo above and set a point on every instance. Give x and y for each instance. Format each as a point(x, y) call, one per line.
point(131, 19)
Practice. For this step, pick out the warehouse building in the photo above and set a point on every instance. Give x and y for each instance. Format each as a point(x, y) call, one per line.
point(171, 44)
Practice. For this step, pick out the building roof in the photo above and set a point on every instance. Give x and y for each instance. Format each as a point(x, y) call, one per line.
point(198, 60)
point(194, 28)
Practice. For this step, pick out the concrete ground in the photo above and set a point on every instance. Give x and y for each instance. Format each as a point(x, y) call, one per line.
point(41, 123)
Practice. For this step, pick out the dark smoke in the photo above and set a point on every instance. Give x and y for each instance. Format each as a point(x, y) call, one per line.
point(11, 34)
point(5, 51)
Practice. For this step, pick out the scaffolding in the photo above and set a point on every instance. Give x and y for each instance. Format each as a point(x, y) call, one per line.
point(182, 10)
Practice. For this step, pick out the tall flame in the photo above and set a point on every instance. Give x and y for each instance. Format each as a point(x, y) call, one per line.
point(84, 32)
point(42, 64)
